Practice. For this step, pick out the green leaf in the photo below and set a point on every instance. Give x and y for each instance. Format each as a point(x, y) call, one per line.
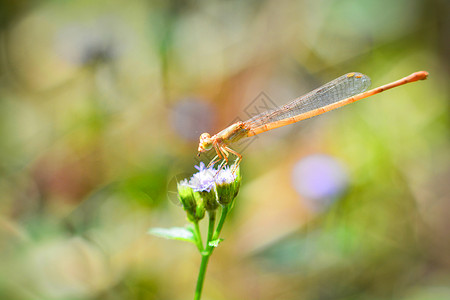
point(215, 243)
point(174, 233)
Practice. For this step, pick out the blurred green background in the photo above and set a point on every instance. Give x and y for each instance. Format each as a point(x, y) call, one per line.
point(101, 106)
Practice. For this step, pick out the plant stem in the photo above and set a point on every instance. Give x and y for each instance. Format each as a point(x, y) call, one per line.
point(212, 221)
point(223, 216)
point(198, 236)
point(205, 256)
point(201, 276)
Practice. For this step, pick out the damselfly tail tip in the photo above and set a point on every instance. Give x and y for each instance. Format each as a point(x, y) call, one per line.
point(423, 75)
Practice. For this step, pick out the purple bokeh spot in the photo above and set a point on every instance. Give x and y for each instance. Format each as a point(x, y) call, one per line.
point(320, 179)
point(83, 43)
point(192, 117)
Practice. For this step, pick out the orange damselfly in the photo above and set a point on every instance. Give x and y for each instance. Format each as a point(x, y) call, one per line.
point(343, 90)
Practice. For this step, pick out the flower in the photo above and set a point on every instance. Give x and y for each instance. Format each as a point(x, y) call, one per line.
point(187, 198)
point(210, 188)
point(203, 180)
point(225, 176)
point(227, 185)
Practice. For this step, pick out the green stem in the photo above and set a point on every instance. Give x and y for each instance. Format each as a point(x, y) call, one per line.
point(198, 237)
point(223, 216)
point(201, 276)
point(212, 221)
point(205, 256)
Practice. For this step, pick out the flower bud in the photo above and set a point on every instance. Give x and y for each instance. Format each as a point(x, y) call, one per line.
point(200, 209)
point(210, 199)
point(203, 183)
point(209, 188)
point(188, 199)
point(227, 185)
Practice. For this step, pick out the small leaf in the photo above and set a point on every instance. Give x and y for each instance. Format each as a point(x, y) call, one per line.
point(215, 243)
point(174, 233)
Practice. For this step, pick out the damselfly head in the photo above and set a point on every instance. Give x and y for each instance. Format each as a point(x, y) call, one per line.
point(205, 143)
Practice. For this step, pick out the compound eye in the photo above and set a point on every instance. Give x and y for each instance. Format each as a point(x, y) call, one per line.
point(205, 136)
point(207, 145)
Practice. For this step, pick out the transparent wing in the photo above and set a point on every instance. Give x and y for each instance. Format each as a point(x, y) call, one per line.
point(341, 88)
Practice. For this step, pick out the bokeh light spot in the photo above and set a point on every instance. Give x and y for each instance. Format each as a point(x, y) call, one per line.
point(320, 179)
point(191, 117)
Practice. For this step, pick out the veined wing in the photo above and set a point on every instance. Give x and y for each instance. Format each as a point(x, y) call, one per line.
point(341, 88)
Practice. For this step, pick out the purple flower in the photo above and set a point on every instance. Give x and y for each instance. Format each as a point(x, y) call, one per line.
point(203, 180)
point(213, 185)
point(201, 167)
point(228, 182)
point(226, 176)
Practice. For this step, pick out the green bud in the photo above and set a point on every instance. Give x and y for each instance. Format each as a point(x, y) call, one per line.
point(200, 209)
point(186, 196)
point(190, 202)
point(227, 188)
point(210, 200)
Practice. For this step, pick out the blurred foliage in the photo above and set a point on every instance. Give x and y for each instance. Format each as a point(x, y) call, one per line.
point(91, 139)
